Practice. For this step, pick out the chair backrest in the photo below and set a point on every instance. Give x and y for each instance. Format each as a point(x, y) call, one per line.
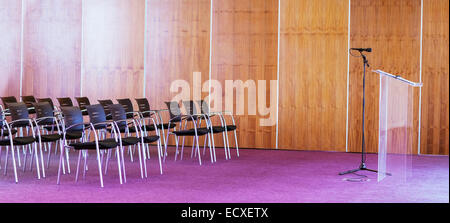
point(96, 115)
point(19, 111)
point(105, 104)
point(143, 106)
point(44, 109)
point(190, 107)
point(72, 116)
point(48, 100)
point(82, 102)
point(174, 109)
point(29, 100)
point(127, 105)
point(118, 113)
point(8, 100)
point(65, 102)
point(2, 120)
point(203, 106)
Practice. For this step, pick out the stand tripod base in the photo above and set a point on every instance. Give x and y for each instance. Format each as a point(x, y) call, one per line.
point(361, 167)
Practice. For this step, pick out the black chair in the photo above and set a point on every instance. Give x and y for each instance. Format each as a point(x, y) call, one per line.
point(128, 106)
point(177, 116)
point(48, 100)
point(131, 113)
point(83, 102)
point(223, 114)
point(65, 102)
point(123, 125)
point(20, 120)
point(145, 111)
point(105, 104)
point(3, 130)
point(29, 100)
point(45, 119)
point(228, 128)
point(74, 123)
point(192, 110)
point(6, 101)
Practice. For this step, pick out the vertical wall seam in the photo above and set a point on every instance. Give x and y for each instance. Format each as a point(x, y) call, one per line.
point(420, 76)
point(348, 75)
point(145, 50)
point(278, 71)
point(82, 51)
point(210, 53)
point(21, 49)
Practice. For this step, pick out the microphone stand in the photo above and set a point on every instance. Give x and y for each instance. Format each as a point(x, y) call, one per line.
point(362, 166)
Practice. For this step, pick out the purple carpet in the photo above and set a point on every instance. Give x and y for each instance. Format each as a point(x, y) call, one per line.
point(261, 176)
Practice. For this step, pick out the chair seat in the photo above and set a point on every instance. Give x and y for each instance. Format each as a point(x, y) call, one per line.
point(128, 141)
point(5, 142)
point(73, 135)
point(150, 139)
point(6, 133)
point(23, 140)
point(131, 129)
point(191, 132)
point(151, 127)
point(216, 129)
point(166, 125)
point(103, 144)
point(231, 127)
point(50, 137)
point(52, 127)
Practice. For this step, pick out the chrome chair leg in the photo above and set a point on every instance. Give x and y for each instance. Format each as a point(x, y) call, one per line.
point(60, 165)
point(140, 161)
point(118, 165)
point(198, 151)
point(99, 168)
point(14, 165)
point(78, 164)
point(123, 164)
point(236, 141)
point(159, 156)
point(67, 157)
point(6, 159)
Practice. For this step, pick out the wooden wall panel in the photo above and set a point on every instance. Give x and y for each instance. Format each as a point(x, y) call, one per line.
point(10, 29)
point(435, 74)
point(313, 75)
point(113, 49)
point(52, 48)
point(177, 45)
point(245, 48)
point(392, 30)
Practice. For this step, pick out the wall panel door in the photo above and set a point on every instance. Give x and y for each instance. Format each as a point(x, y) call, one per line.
point(392, 30)
point(52, 48)
point(245, 49)
point(313, 75)
point(113, 49)
point(435, 73)
point(10, 29)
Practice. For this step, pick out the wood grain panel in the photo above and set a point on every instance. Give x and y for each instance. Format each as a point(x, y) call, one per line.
point(435, 74)
point(245, 49)
point(392, 30)
point(313, 75)
point(113, 49)
point(177, 46)
point(52, 48)
point(10, 29)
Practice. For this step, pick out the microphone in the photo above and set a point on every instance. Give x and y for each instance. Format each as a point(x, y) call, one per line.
point(362, 49)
